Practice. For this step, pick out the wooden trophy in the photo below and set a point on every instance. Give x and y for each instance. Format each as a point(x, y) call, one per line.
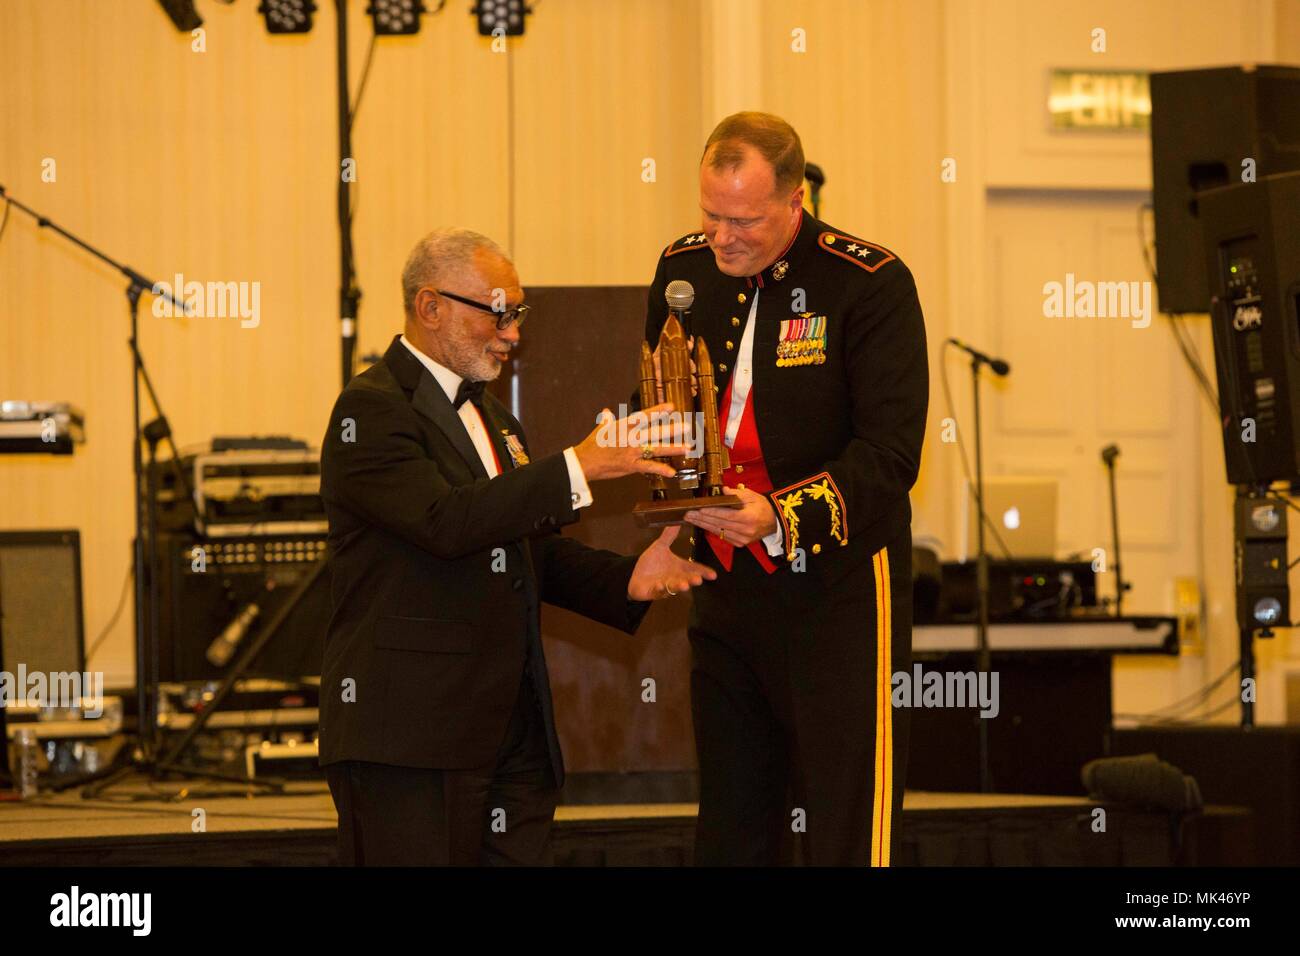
point(700, 479)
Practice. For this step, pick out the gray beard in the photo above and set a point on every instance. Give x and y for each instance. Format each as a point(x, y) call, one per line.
point(474, 365)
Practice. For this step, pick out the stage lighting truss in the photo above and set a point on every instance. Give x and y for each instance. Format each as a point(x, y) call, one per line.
point(396, 17)
point(501, 17)
point(287, 16)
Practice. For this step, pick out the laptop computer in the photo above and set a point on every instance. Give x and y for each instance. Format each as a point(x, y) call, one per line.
point(1021, 512)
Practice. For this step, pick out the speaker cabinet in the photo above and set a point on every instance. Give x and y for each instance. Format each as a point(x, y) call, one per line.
point(40, 601)
point(1204, 125)
point(1252, 254)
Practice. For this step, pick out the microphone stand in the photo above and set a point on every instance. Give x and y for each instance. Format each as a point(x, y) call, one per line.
point(143, 569)
point(349, 293)
point(984, 661)
point(1108, 456)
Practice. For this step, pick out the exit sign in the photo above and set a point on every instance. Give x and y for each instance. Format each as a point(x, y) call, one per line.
point(1099, 100)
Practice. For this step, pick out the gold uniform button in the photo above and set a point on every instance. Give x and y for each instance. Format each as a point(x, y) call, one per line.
point(817, 549)
point(741, 486)
point(830, 240)
point(730, 346)
point(741, 298)
point(740, 469)
point(721, 367)
point(735, 321)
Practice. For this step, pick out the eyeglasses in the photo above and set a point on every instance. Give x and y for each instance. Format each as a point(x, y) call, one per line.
point(515, 315)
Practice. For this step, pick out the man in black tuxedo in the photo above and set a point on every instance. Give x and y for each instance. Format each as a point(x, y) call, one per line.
point(436, 726)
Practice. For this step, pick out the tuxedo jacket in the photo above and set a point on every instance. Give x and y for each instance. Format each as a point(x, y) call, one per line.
point(439, 574)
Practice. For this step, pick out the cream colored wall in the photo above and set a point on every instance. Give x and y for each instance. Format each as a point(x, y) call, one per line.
point(222, 165)
point(1037, 204)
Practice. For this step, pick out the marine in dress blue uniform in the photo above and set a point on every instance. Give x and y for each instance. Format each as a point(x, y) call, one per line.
point(795, 643)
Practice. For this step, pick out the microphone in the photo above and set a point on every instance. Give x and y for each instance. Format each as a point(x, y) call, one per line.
point(680, 296)
point(1109, 453)
point(998, 366)
point(223, 648)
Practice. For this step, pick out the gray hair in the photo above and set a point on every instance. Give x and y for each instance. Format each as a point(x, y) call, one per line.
point(440, 255)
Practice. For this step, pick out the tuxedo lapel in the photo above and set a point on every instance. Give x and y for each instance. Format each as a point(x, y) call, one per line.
point(431, 401)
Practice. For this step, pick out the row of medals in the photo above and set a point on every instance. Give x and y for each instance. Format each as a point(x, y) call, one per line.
point(802, 352)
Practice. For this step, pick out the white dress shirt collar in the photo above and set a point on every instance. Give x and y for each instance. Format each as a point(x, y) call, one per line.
point(445, 377)
point(476, 426)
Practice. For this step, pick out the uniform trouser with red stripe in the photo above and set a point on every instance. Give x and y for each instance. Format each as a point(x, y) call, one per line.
point(801, 754)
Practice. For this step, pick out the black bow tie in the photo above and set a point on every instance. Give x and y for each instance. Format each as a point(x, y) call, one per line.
point(469, 391)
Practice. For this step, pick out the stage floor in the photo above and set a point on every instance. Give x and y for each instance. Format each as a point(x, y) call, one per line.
point(209, 823)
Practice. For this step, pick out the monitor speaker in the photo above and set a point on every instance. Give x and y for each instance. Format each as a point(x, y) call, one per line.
point(40, 601)
point(1204, 125)
point(1252, 255)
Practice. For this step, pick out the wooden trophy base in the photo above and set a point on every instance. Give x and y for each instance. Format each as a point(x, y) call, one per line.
point(670, 511)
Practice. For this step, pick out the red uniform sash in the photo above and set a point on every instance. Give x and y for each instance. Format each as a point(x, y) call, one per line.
point(748, 469)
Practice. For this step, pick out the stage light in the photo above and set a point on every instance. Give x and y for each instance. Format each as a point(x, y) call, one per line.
point(183, 14)
point(1265, 518)
point(1260, 542)
point(396, 17)
point(287, 16)
point(501, 17)
point(1268, 610)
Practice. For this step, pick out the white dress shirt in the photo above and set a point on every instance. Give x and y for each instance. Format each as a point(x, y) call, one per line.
point(742, 379)
point(472, 419)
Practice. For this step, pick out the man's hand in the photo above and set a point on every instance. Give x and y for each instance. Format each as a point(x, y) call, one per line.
point(617, 448)
point(660, 573)
point(659, 378)
point(738, 526)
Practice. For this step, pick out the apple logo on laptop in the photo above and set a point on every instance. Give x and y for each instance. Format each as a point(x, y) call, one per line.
point(1011, 519)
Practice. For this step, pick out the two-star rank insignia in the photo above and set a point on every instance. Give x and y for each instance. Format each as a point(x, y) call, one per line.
point(866, 255)
point(696, 240)
point(802, 341)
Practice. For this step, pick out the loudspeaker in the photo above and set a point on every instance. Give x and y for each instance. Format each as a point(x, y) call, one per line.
point(1204, 125)
point(206, 585)
point(40, 601)
point(1252, 255)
